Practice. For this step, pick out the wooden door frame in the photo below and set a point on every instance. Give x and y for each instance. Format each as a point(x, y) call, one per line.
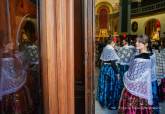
point(57, 55)
point(89, 31)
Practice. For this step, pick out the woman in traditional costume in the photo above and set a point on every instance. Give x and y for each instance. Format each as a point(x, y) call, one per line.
point(107, 90)
point(138, 96)
point(31, 55)
point(14, 94)
point(162, 82)
point(30, 52)
point(159, 65)
point(154, 79)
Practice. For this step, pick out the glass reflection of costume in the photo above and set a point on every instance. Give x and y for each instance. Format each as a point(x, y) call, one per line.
point(31, 55)
point(125, 53)
point(107, 90)
point(14, 94)
point(139, 93)
point(162, 77)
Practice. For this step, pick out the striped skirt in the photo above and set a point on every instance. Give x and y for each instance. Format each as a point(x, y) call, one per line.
point(130, 104)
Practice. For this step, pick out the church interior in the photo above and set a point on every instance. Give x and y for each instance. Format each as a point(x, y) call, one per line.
point(143, 17)
point(50, 50)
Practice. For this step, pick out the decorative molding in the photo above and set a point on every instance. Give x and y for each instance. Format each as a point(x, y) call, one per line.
point(107, 4)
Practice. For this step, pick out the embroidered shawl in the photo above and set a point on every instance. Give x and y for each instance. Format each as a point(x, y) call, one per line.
point(109, 53)
point(137, 79)
point(162, 52)
point(12, 75)
point(126, 53)
point(31, 54)
point(153, 67)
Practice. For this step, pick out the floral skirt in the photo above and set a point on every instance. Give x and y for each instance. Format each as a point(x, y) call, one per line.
point(130, 104)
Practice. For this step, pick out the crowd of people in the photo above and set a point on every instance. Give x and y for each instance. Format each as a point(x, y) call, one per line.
point(131, 78)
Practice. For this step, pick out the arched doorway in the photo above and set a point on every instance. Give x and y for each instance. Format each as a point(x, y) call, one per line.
point(27, 41)
point(27, 31)
point(103, 17)
point(104, 26)
point(19, 27)
point(152, 29)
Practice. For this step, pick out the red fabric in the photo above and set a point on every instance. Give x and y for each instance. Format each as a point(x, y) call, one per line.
point(115, 39)
point(124, 35)
point(130, 104)
point(158, 24)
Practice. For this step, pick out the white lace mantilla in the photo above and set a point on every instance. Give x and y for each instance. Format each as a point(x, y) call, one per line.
point(137, 79)
point(126, 53)
point(153, 67)
point(12, 75)
point(108, 54)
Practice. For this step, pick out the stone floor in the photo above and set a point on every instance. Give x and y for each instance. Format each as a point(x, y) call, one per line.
point(100, 110)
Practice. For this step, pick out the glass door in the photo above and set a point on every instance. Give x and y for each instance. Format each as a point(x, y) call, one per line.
point(20, 77)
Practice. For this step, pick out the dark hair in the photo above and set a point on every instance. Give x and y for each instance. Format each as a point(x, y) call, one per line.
point(126, 40)
point(145, 40)
point(109, 40)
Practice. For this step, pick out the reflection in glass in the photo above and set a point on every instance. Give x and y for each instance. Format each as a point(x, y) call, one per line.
point(20, 87)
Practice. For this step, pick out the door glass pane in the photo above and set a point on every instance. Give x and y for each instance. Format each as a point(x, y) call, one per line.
point(20, 77)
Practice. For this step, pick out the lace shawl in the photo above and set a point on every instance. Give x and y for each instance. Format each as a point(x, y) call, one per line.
point(12, 75)
point(137, 79)
point(162, 52)
point(31, 54)
point(109, 53)
point(126, 53)
point(153, 67)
